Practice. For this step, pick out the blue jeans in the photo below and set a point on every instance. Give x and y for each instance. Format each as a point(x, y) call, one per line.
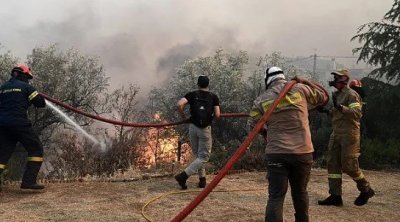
point(283, 169)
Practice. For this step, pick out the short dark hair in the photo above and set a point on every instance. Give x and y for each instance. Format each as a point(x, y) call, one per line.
point(203, 81)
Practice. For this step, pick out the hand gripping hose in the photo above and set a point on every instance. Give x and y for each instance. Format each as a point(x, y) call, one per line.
point(120, 123)
point(246, 143)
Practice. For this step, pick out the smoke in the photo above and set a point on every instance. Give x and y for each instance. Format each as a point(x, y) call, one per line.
point(143, 42)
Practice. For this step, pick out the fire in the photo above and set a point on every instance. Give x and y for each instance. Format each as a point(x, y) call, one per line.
point(161, 145)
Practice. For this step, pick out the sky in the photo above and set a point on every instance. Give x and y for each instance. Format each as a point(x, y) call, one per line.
point(142, 41)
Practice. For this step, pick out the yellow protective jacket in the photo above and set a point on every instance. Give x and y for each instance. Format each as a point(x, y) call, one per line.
point(347, 120)
point(288, 130)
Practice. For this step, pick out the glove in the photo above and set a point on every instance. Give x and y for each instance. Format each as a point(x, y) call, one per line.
point(299, 79)
point(334, 100)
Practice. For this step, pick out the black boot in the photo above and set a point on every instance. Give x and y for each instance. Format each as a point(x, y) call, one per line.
point(363, 197)
point(335, 200)
point(202, 182)
point(181, 178)
point(30, 175)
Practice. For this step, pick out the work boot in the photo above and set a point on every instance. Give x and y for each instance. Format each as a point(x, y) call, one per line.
point(335, 200)
point(181, 178)
point(32, 186)
point(30, 175)
point(202, 182)
point(363, 197)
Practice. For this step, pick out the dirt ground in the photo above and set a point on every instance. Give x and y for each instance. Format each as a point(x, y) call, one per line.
point(243, 200)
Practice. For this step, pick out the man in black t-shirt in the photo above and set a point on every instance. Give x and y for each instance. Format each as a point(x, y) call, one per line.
point(204, 105)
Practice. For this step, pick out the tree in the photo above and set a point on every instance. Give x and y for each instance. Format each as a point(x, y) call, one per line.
point(70, 77)
point(7, 62)
point(381, 46)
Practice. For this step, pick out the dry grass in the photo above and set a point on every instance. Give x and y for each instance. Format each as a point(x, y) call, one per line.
point(105, 201)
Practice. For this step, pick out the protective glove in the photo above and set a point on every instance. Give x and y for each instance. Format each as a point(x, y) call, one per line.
point(334, 100)
point(299, 79)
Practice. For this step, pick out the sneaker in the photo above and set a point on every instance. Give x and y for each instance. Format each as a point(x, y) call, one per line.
point(32, 186)
point(332, 200)
point(181, 178)
point(363, 197)
point(202, 182)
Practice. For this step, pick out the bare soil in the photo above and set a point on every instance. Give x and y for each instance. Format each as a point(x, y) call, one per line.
point(244, 199)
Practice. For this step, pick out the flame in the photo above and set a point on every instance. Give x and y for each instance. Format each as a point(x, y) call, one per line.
point(161, 145)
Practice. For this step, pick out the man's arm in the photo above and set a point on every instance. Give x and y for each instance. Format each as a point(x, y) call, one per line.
point(34, 97)
point(217, 112)
point(181, 106)
point(353, 108)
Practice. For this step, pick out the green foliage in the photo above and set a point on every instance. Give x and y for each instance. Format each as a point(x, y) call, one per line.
point(80, 81)
point(381, 44)
point(320, 127)
point(379, 154)
point(7, 62)
point(236, 92)
point(226, 73)
point(382, 110)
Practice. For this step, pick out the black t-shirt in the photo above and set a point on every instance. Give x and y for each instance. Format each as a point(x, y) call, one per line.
point(202, 107)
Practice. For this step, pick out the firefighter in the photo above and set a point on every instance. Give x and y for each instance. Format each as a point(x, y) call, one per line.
point(344, 142)
point(289, 148)
point(16, 95)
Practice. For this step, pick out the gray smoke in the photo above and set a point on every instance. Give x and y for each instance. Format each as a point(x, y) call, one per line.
point(145, 41)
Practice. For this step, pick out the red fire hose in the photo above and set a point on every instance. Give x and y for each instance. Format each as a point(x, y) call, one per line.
point(120, 123)
point(203, 194)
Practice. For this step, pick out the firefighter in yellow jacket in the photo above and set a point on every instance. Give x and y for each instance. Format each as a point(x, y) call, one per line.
point(344, 142)
point(289, 148)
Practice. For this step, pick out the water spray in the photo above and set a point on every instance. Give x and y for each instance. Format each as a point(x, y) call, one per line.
point(79, 128)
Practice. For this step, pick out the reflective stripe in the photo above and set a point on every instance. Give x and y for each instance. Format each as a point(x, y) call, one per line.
point(32, 95)
point(313, 97)
point(359, 177)
point(266, 104)
point(335, 176)
point(255, 114)
point(354, 105)
point(11, 90)
point(35, 159)
point(288, 100)
point(2, 166)
point(293, 99)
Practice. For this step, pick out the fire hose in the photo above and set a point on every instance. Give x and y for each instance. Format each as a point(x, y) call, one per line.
point(240, 151)
point(120, 123)
point(243, 147)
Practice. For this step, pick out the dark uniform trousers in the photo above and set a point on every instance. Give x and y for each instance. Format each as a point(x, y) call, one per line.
point(281, 170)
point(9, 136)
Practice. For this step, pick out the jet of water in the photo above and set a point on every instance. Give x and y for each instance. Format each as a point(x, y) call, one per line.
point(79, 128)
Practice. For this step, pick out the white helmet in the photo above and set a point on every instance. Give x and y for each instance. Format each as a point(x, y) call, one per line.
point(273, 73)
